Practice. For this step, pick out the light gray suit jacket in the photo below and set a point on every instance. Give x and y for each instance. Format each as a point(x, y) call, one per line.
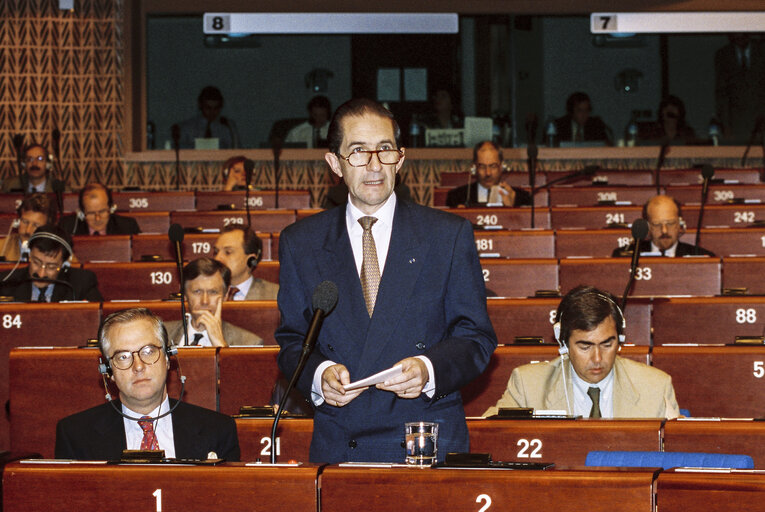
point(231, 333)
point(640, 391)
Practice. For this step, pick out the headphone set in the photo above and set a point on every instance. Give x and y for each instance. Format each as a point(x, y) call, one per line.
point(58, 240)
point(80, 210)
point(105, 368)
point(563, 344)
point(48, 159)
point(253, 261)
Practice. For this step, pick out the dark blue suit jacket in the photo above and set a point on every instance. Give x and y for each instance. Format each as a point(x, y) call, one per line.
point(431, 301)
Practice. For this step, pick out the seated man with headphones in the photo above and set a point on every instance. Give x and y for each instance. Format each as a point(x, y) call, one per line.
point(34, 211)
point(135, 357)
point(240, 249)
point(589, 378)
point(206, 283)
point(665, 227)
point(36, 164)
point(49, 277)
point(233, 174)
point(96, 215)
point(489, 188)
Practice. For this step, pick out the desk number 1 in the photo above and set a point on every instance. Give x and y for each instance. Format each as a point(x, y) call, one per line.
point(158, 499)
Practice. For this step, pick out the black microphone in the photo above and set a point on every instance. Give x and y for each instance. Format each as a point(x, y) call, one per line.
point(18, 145)
point(758, 126)
point(324, 301)
point(532, 152)
point(56, 138)
point(58, 189)
point(471, 173)
point(175, 233)
point(277, 150)
point(707, 172)
point(639, 232)
point(249, 165)
point(36, 277)
point(175, 133)
point(660, 163)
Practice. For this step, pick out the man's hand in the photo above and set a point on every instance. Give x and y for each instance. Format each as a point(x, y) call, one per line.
point(507, 193)
point(413, 378)
point(332, 381)
point(213, 325)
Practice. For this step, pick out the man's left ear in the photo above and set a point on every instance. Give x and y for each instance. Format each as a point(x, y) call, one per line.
point(682, 225)
point(334, 163)
point(403, 157)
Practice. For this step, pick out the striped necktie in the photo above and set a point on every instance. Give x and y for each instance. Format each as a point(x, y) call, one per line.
point(370, 269)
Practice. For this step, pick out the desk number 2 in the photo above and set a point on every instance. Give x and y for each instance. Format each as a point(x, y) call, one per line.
point(158, 499)
point(486, 499)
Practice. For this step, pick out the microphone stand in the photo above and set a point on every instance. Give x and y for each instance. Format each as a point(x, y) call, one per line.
point(532, 153)
point(56, 137)
point(176, 134)
point(249, 165)
point(639, 232)
point(707, 171)
point(758, 125)
point(660, 164)
point(18, 144)
point(277, 149)
point(175, 233)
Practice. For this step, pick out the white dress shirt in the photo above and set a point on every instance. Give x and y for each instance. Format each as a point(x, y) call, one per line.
point(163, 429)
point(381, 232)
point(244, 289)
point(669, 253)
point(582, 401)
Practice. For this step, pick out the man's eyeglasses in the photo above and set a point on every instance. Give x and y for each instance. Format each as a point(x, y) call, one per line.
point(35, 158)
point(360, 158)
point(123, 360)
point(667, 224)
point(491, 167)
point(45, 266)
point(98, 214)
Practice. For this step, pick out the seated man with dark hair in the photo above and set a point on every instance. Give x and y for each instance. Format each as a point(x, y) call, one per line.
point(35, 210)
point(489, 188)
point(234, 177)
point(37, 164)
point(589, 379)
point(96, 215)
point(48, 277)
point(135, 355)
point(206, 282)
point(240, 249)
point(665, 227)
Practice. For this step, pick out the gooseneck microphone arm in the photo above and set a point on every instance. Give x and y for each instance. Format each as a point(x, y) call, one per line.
point(175, 132)
point(707, 172)
point(277, 149)
point(759, 124)
point(660, 164)
point(324, 300)
point(532, 153)
point(18, 145)
point(639, 232)
point(249, 165)
point(175, 233)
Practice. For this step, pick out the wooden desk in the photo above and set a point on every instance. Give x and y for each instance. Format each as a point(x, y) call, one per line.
point(348, 488)
point(745, 272)
point(520, 277)
point(134, 281)
point(142, 201)
point(151, 222)
point(718, 194)
point(693, 176)
point(534, 317)
point(102, 248)
point(194, 245)
point(47, 384)
point(441, 194)
point(716, 381)
point(564, 442)
point(259, 199)
point(742, 437)
point(293, 438)
point(716, 215)
point(262, 220)
point(595, 217)
point(486, 390)
point(730, 241)
point(706, 320)
point(592, 243)
point(592, 195)
point(247, 376)
point(516, 179)
point(504, 218)
point(515, 244)
point(720, 491)
point(232, 486)
point(654, 276)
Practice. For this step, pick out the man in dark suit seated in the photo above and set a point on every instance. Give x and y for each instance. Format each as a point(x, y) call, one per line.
point(49, 277)
point(96, 215)
point(206, 282)
point(37, 164)
point(488, 187)
point(135, 356)
point(578, 125)
point(411, 295)
point(665, 227)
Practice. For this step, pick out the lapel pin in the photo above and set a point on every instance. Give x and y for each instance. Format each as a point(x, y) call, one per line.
point(412, 260)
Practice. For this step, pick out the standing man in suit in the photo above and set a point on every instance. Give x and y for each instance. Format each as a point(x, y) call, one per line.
point(578, 125)
point(240, 249)
point(590, 329)
point(665, 227)
point(135, 354)
point(411, 294)
point(37, 164)
point(205, 283)
point(96, 215)
point(50, 250)
point(488, 187)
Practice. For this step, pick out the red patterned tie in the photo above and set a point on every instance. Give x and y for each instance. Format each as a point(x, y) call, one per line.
point(149, 441)
point(233, 290)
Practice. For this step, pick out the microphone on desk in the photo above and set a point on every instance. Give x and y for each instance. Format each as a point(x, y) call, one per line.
point(175, 133)
point(323, 301)
point(759, 124)
point(660, 163)
point(249, 166)
point(639, 232)
point(175, 234)
point(707, 172)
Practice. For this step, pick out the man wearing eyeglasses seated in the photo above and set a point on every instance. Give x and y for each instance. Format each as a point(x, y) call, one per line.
point(48, 277)
point(665, 227)
point(135, 357)
point(489, 188)
point(36, 164)
point(96, 215)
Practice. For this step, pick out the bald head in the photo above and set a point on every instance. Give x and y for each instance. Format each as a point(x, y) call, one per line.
point(663, 216)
